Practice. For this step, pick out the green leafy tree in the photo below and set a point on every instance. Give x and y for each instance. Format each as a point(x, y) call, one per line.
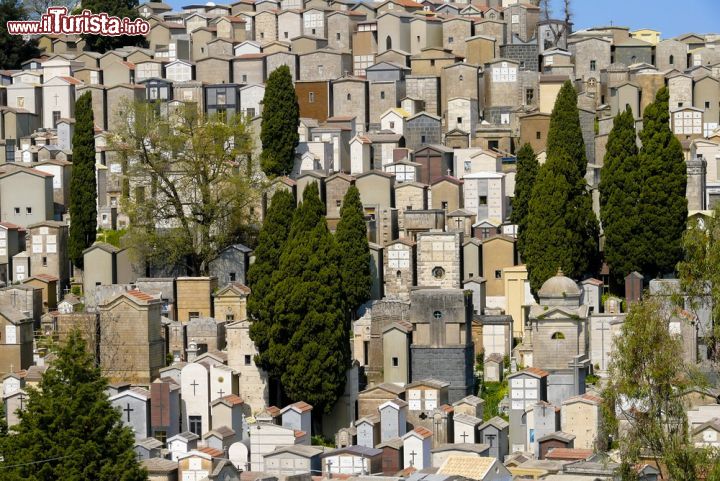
point(69, 430)
point(310, 347)
point(271, 240)
point(527, 169)
point(83, 186)
point(647, 379)
point(562, 230)
point(620, 184)
point(354, 251)
point(15, 49)
point(280, 120)
point(191, 184)
point(116, 8)
point(700, 277)
point(663, 212)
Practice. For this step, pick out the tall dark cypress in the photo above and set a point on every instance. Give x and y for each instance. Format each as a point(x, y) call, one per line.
point(527, 169)
point(15, 48)
point(69, 429)
point(620, 184)
point(562, 234)
point(117, 8)
point(310, 348)
point(271, 240)
point(280, 120)
point(83, 186)
point(353, 250)
point(663, 205)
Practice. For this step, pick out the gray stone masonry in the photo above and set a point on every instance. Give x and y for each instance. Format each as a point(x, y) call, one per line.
point(449, 364)
point(527, 55)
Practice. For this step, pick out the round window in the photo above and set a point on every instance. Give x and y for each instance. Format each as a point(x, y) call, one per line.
point(438, 272)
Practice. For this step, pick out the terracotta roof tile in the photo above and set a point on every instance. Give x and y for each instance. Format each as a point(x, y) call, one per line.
point(233, 399)
point(215, 453)
point(46, 277)
point(423, 432)
point(569, 454)
point(302, 406)
point(536, 371)
point(137, 294)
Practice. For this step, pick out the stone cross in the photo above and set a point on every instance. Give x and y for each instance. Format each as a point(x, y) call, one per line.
point(21, 397)
point(194, 384)
point(221, 392)
point(412, 457)
point(459, 222)
point(56, 98)
point(128, 410)
point(464, 435)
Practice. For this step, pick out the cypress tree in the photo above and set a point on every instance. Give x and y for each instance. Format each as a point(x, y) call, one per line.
point(561, 234)
point(663, 205)
point(619, 193)
point(69, 429)
point(310, 347)
point(565, 133)
point(354, 251)
point(83, 187)
point(527, 169)
point(117, 8)
point(280, 120)
point(271, 239)
point(15, 48)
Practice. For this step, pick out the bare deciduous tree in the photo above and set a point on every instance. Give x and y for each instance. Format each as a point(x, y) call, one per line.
point(559, 30)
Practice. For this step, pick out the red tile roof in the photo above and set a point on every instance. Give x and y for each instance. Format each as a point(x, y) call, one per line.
point(538, 372)
point(137, 294)
point(10, 225)
point(72, 80)
point(423, 432)
point(407, 3)
point(233, 399)
point(215, 453)
point(569, 454)
point(299, 434)
point(302, 406)
point(45, 277)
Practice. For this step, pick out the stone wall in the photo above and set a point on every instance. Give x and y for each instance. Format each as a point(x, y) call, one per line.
point(449, 364)
point(422, 130)
point(426, 88)
point(527, 55)
point(439, 250)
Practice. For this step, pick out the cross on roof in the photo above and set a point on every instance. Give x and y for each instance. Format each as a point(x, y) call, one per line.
point(128, 410)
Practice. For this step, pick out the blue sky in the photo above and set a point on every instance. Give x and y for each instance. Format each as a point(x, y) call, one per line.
point(671, 17)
